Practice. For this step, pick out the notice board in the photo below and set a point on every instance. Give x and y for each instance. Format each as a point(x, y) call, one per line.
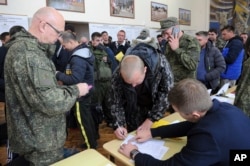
point(7, 21)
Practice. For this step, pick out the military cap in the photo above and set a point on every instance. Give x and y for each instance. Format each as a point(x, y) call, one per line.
point(168, 23)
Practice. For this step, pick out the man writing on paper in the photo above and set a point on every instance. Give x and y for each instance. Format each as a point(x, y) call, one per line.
point(139, 87)
point(212, 129)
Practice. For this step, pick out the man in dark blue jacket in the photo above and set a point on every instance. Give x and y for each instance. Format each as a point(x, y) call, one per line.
point(212, 129)
point(211, 63)
point(80, 68)
point(233, 53)
point(61, 56)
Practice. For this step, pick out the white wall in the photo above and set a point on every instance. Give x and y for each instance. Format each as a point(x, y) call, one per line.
point(98, 11)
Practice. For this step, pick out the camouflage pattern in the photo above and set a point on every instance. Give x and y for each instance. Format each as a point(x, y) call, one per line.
point(242, 95)
point(35, 103)
point(121, 94)
point(100, 95)
point(184, 60)
point(220, 43)
point(100, 85)
point(99, 53)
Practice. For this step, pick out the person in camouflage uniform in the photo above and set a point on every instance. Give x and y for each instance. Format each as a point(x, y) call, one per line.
point(242, 95)
point(102, 84)
point(35, 103)
point(139, 87)
point(182, 50)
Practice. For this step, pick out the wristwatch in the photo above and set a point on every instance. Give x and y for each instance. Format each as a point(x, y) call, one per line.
point(133, 153)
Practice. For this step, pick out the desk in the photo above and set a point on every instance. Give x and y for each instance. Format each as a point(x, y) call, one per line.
point(89, 157)
point(174, 145)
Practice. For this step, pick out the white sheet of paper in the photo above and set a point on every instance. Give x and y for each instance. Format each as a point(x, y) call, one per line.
point(152, 147)
point(224, 99)
point(223, 89)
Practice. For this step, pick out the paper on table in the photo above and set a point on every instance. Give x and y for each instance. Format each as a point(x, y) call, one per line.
point(152, 147)
point(223, 89)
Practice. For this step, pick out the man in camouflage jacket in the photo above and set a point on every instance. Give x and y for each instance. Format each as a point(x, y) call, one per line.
point(138, 106)
point(182, 50)
point(35, 103)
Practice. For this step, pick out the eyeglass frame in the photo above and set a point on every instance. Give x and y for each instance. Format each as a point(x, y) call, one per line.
point(56, 30)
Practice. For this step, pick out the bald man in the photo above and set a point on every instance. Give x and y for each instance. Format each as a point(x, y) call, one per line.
point(36, 104)
point(139, 89)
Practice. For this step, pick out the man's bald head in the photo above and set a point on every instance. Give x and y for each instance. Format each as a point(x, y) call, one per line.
point(133, 69)
point(46, 24)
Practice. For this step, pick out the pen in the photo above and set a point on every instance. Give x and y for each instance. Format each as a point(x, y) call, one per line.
point(119, 127)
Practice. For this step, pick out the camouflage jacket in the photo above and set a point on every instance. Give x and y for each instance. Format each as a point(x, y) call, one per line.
point(35, 103)
point(184, 60)
point(220, 43)
point(159, 80)
point(243, 89)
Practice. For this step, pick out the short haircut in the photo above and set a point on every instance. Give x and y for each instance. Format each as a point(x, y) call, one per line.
point(15, 29)
point(244, 33)
point(69, 27)
point(104, 32)
point(95, 34)
point(202, 33)
point(67, 36)
point(213, 30)
point(158, 36)
point(228, 28)
point(190, 95)
point(131, 64)
point(122, 31)
point(3, 35)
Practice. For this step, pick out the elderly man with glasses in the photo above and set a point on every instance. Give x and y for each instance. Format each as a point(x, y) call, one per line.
point(35, 103)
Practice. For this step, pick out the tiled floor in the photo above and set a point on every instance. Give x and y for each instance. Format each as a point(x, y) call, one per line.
point(74, 139)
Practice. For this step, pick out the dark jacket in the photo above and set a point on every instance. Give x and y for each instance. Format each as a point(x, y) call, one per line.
point(61, 57)
point(3, 52)
point(209, 141)
point(81, 67)
point(123, 97)
point(233, 54)
point(116, 48)
point(214, 64)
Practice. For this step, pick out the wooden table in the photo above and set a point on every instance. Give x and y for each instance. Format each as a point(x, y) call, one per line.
point(89, 157)
point(174, 145)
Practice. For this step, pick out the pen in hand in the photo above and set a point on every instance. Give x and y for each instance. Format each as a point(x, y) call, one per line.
point(120, 130)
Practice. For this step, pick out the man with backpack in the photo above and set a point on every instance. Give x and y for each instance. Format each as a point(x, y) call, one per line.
point(102, 68)
point(139, 87)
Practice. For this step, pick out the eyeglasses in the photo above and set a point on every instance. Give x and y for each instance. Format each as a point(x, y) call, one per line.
point(56, 30)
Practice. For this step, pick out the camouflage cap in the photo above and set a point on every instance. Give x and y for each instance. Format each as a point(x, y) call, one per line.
point(169, 22)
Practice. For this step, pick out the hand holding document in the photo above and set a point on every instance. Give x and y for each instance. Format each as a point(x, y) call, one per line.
point(153, 147)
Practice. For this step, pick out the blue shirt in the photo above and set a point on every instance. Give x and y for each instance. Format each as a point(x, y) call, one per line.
point(201, 70)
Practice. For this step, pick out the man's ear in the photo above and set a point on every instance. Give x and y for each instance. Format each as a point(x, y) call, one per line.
point(145, 69)
point(196, 115)
point(41, 26)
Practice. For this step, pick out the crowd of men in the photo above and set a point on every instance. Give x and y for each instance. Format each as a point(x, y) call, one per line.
point(52, 79)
